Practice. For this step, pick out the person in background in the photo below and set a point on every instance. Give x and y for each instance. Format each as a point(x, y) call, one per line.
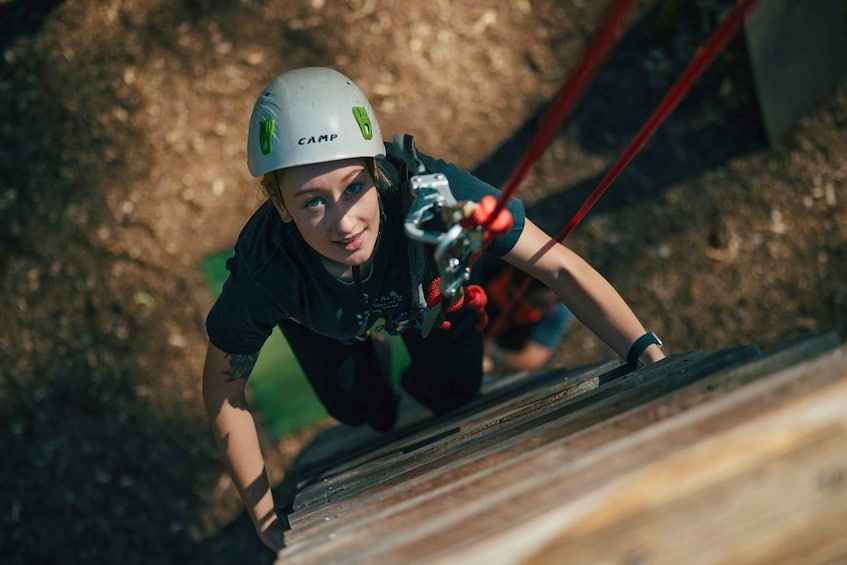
point(524, 327)
point(326, 259)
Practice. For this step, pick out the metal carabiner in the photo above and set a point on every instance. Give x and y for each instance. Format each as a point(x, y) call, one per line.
point(451, 255)
point(431, 196)
point(453, 247)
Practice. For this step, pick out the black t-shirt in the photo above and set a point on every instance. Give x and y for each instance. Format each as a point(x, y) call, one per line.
point(274, 275)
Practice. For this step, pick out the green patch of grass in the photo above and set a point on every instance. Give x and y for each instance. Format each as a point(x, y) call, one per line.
point(281, 393)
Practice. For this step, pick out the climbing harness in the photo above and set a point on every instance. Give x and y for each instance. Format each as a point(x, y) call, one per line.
point(456, 229)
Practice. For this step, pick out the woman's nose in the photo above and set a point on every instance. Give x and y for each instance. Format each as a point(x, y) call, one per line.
point(344, 220)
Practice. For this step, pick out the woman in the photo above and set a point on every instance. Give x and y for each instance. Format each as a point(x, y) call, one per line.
point(326, 259)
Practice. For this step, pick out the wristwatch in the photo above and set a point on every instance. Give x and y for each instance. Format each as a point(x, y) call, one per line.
point(639, 346)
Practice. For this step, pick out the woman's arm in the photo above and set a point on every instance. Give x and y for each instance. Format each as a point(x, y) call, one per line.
point(224, 379)
point(585, 292)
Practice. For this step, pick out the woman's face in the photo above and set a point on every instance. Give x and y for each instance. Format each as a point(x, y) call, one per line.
point(335, 207)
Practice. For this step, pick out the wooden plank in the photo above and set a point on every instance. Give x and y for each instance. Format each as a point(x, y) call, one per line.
point(429, 484)
point(773, 490)
point(427, 478)
point(484, 510)
point(798, 53)
point(614, 466)
point(509, 385)
point(478, 437)
point(420, 433)
point(444, 433)
point(778, 497)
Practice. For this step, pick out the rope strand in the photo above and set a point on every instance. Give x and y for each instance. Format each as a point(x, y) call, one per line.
point(703, 57)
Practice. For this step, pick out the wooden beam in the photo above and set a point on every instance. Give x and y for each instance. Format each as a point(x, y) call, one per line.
point(762, 480)
point(476, 494)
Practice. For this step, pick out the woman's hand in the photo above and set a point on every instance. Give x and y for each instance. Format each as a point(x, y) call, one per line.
point(273, 535)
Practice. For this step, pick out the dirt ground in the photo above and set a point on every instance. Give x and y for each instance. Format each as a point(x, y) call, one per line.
point(123, 164)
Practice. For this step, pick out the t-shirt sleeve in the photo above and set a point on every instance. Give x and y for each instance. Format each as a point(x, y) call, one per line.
point(486, 269)
point(243, 317)
point(549, 330)
point(466, 186)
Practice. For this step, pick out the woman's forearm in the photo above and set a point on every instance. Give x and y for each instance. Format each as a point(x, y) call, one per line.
point(235, 432)
point(590, 297)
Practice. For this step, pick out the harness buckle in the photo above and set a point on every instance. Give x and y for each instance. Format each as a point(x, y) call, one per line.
point(433, 201)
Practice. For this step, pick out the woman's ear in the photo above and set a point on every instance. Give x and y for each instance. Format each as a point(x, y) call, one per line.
point(280, 208)
point(270, 184)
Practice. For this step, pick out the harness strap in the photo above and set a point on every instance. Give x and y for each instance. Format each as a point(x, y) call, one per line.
point(419, 267)
point(422, 265)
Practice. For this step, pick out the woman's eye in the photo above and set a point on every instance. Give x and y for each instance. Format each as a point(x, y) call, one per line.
point(314, 202)
point(354, 188)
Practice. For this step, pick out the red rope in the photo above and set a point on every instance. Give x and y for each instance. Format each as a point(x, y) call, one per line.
point(604, 39)
point(502, 319)
point(702, 59)
point(569, 93)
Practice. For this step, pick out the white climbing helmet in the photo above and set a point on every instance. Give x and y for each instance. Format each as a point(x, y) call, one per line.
point(311, 115)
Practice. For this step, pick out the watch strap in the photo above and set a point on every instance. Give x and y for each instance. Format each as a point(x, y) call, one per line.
point(639, 346)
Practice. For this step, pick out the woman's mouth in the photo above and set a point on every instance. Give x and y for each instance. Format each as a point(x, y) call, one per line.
point(353, 243)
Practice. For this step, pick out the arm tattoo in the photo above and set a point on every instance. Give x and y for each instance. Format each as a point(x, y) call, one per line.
point(240, 366)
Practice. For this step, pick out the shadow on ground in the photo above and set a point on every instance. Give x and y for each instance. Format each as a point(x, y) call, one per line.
point(716, 121)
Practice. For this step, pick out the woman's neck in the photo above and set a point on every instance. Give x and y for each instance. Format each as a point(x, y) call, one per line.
point(344, 272)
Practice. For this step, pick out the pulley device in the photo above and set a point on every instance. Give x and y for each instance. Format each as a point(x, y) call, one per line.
point(456, 229)
point(436, 217)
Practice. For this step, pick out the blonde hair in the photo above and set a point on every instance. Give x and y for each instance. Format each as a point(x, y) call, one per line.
point(271, 185)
